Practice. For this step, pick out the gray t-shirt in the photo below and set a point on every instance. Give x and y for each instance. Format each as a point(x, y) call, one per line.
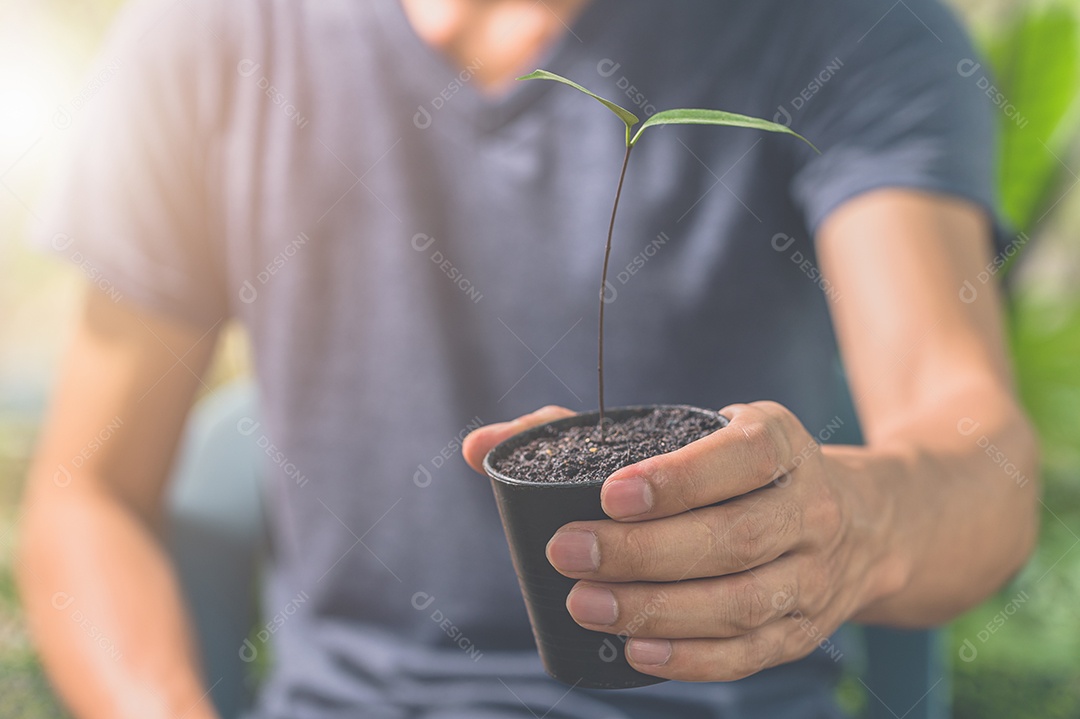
point(412, 258)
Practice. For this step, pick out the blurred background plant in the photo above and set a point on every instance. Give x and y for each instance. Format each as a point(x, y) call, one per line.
point(1018, 655)
point(1015, 657)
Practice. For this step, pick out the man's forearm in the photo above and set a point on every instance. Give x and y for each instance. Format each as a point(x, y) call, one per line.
point(955, 496)
point(105, 609)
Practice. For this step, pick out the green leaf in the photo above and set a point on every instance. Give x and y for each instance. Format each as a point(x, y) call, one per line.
point(671, 117)
point(1036, 63)
point(715, 117)
point(623, 114)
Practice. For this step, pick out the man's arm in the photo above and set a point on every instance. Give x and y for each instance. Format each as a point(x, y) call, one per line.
point(909, 530)
point(101, 596)
point(932, 383)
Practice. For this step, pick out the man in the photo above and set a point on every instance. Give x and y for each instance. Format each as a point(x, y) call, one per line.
point(413, 241)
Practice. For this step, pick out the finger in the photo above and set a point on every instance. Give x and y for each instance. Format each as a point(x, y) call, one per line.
point(480, 441)
point(755, 448)
point(787, 639)
point(733, 537)
point(717, 607)
point(717, 660)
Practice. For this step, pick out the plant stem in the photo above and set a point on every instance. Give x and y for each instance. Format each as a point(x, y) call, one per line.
point(603, 285)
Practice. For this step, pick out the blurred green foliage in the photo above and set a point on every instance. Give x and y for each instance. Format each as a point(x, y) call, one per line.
point(1036, 63)
point(1028, 662)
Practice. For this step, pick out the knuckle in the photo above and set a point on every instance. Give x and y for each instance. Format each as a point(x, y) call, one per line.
point(638, 552)
point(771, 407)
point(765, 450)
point(760, 651)
point(643, 615)
point(749, 534)
point(779, 441)
point(804, 645)
point(783, 418)
point(793, 595)
point(548, 411)
point(753, 607)
point(832, 516)
point(679, 481)
point(782, 601)
point(788, 518)
point(785, 600)
point(816, 594)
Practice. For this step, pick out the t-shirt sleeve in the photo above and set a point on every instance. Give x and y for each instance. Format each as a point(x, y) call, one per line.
point(896, 110)
point(130, 206)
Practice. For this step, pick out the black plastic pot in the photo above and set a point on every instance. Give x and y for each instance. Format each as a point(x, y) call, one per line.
point(531, 513)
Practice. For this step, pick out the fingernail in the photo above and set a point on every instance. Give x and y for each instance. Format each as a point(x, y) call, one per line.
point(627, 497)
point(574, 550)
point(649, 652)
point(592, 605)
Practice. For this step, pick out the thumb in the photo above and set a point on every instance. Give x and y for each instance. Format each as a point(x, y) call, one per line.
point(480, 441)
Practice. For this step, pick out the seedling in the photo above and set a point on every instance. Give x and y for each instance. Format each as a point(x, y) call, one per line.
point(665, 117)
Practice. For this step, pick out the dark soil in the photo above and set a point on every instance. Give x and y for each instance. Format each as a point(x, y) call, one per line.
point(575, 454)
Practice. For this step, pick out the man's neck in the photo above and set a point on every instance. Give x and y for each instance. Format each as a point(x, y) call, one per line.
point(502, 37)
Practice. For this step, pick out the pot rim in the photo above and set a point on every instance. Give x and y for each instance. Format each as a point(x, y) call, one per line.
point(573, 421)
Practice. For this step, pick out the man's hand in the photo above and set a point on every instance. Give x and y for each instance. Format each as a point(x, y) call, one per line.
point(749, 547)
point(735, 553)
